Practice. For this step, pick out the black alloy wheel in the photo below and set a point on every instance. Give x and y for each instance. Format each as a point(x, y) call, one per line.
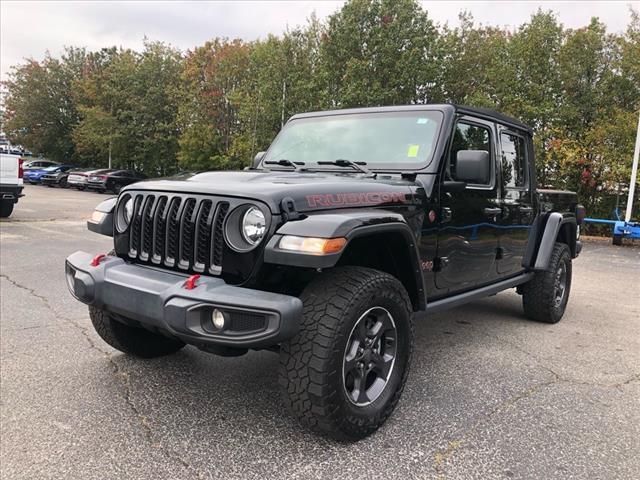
point(369, 356)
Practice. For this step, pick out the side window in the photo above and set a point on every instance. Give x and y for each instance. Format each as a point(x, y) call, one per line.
point(468, 137)
point(513, 160)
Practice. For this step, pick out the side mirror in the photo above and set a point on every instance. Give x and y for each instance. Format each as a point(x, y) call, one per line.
point(256, 160)
point(473, 166)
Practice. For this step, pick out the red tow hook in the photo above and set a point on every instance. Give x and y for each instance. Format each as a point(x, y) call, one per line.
point(96, 260)
point(190, 284)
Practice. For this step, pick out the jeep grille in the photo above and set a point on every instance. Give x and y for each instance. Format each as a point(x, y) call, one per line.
point(178, 231)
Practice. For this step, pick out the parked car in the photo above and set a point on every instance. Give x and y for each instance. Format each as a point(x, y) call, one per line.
point(78, 178)
point(39, 164)
point(55, 179)
point(11, 182)
point(35, 176)
point(350, 223)
point(113, 181)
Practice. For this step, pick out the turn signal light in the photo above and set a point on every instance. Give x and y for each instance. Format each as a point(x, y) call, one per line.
point(312, 245)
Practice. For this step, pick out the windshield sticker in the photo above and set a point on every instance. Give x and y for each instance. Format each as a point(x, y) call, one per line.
point(422, 121)
point(412, 152)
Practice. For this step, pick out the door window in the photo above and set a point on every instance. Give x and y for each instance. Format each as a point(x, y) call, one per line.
point(513, 160)
point(468, 137)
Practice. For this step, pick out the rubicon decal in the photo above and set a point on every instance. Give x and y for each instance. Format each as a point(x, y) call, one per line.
point(342, 199)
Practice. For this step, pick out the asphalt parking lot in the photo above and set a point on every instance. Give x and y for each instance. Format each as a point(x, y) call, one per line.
point(490, 394)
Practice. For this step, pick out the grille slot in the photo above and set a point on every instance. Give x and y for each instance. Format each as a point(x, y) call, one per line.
point(217, 239)
point(178, 231)
point(147, 228)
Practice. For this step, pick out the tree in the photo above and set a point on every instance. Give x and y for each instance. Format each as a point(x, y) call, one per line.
point(40, 109)
point(379, 52)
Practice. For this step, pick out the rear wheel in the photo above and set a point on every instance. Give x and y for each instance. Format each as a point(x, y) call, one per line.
point(62, 183)
point(6, 208)
point(131, 340)
point(343, 373)
point(545, 297)
point(617, 239)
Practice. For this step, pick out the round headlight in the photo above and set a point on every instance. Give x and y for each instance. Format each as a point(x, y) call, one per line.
point(128, 211)
point(253, 226)
point(124, 213)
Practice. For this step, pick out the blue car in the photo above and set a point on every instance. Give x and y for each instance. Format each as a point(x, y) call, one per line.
point(35, 176)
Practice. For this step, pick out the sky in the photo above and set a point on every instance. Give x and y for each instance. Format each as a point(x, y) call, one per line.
point(29, 28)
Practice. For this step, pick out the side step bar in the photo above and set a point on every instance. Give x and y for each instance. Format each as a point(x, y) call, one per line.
point(462, 298)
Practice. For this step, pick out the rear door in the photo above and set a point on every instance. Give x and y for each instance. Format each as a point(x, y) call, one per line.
point(517, 203)
point(468, 234)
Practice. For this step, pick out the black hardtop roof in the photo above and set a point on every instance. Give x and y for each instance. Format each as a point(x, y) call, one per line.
point(485, 113)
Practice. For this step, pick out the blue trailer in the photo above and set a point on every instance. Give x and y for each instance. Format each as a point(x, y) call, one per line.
point(621, 229)
point(625, 228)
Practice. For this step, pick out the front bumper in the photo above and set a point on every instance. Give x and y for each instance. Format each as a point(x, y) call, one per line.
point(158, 300)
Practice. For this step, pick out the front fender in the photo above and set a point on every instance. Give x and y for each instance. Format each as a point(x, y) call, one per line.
point(349, 224)
point(345, 223)
point(102, 219)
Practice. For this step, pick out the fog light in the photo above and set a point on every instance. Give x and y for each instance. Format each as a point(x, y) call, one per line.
point(217, 318)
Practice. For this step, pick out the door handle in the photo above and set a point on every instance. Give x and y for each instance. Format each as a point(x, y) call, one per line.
point(492, 212)
point(525, 209)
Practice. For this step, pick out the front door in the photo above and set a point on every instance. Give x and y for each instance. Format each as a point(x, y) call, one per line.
point(467, 236)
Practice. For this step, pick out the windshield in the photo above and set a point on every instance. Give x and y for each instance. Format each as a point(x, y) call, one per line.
point(386, 140)
point(50, 169)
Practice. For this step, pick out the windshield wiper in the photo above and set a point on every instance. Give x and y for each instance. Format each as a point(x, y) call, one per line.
point(341, 162)
point(286, 163)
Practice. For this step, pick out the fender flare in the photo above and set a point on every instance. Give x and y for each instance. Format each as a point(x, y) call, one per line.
point(104, 225)
point(543, 236)
point(350, 225)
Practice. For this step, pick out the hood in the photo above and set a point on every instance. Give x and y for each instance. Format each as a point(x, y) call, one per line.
point(307, 190)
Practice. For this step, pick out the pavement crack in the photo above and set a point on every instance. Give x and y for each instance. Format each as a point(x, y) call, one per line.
point(443, 455)
point(121, 374)
point(83, 331)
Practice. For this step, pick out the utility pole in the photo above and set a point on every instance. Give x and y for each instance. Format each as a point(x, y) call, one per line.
point(284, 96)
point(109, 154)
point(634, 175)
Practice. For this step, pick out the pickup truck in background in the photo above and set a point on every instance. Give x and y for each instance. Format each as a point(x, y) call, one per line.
point(11, 183)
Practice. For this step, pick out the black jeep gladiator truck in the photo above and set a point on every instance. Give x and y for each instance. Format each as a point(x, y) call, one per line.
point(324, 248)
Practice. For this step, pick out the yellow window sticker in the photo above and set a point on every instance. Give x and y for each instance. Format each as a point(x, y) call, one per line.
point(412, 152)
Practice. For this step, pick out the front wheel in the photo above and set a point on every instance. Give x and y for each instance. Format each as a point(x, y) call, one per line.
point(134, 341)
point(545, 297)
point(343, 373)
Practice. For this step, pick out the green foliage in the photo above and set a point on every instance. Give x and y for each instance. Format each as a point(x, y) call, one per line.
point(216, 106)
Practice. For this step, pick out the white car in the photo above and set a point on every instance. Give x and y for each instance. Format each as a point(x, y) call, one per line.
point(11, 183)
point(79, 178)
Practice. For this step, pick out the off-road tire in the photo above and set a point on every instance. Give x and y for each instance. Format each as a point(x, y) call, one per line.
point(311, 363)
point(131, 340)
point(5, 209)
point(539, 293)
point(617, 240)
